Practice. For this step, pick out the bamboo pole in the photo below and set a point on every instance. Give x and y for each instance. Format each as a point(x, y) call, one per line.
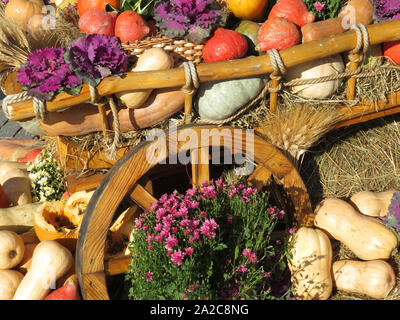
point(233, 69)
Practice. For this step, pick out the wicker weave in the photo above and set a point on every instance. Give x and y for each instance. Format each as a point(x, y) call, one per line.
point(181, 49)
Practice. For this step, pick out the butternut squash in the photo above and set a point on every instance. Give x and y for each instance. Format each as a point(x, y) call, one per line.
point(19, 218)
point(9, 282)
point(16, 185)
point(374, 278)
point(50, 261)
point(161, 105)
point(375, 204)
point(367, 238)
point(150, 60)
point(310, 265)
point(26, 261)
point(11, 249)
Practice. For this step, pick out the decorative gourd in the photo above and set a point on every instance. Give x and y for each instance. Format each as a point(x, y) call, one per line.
point(9, 282)
point(277, 33)
point(37, 26)
point(150, 60)
point(15, 149)
point(98, 22)
point(69, 291)
point(250, 30)
point(50, 261)
point(11, 249)
point(225, 45)
point(391, 51)
point(20, 11)
point(310, 265)
point(18, 218)
point(362, 11)
point(16, 185)
point(131, 27)
point(292, 10)
point(328, 66)
point(375, 204)
point(367, 238)
point(76, 206)
point(374, 278)
point(220, 99)
point(85, 5)
point(248, 9)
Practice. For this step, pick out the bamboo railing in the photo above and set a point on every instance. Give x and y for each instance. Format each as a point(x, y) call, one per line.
point(233, 69)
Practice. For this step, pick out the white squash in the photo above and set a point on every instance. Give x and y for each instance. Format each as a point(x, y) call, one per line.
point(374, 204)
point(11, 249)
point(9, 282)
point(328, 66)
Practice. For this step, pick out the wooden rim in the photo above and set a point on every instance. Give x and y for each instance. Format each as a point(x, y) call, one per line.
point(123, 179)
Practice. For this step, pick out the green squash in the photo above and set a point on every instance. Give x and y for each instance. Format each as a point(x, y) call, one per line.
point(218, 100)
point(250, 30)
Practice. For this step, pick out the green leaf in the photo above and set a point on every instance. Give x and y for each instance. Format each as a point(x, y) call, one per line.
point(220, 246)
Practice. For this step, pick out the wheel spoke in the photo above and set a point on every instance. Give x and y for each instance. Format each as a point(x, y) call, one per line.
point(142, 197)
point(259, 177)
point(200, 166)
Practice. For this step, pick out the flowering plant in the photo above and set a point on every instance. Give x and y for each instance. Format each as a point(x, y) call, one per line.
point(392, 219)
point(193, 20)
point(96, 56)
point(46, 74)
point(47, 179)
point(323, 9)
point(214, 242)
point(387, 9)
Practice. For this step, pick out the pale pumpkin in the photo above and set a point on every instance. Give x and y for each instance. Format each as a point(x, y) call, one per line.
point(50, 261)
point(328, 66)
point(310, 265)
point(39, 26)
point(150, 60)
point(375, 204)
point(11, 249)
point(366, 237)
point(16, 184)
point(218, 100)
point(20, 11)
point(9, 282)
point(76, 206)
point(374, 278)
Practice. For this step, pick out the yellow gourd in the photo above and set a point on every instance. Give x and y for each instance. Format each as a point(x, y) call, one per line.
point(9, 282)
point(11, 249)
point(248, 9)
point(366, 237)
point(375, 204)
point(150, 60)
point(50, 261)
point(374, 278)
point(20, 11)
point(310, 265)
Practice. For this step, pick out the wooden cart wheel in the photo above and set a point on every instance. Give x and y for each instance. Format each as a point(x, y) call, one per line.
point(125, 177)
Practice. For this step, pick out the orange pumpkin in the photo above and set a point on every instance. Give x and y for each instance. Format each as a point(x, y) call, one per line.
point(85, 5)
point(20, 11)
point(248, 9)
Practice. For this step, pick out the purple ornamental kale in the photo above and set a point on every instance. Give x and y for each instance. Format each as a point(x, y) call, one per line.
point(392, 219)
point(387, 9)
point(193, 20)
point(46, 73)
point(95, 57)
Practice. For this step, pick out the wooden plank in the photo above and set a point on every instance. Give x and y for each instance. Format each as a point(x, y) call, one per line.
point(75, 183)
point(118, 265)
point(259, 177)
point(95, 286)
point(233, 69)
point(142, 197)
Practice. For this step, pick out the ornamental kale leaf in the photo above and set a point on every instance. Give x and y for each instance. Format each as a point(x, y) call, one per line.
point(192, 20)
point(95, 57)
point(46, 74)
point(392, 219)
point(387, 9)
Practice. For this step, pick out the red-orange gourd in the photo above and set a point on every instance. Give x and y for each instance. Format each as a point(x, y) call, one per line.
point(96, 21)
point(248, 9)
point(277, 33)
point(69, 291)
point(130, 27)
point(225, 45)
point(391, 51)
point(292, 10)
point(85, 5)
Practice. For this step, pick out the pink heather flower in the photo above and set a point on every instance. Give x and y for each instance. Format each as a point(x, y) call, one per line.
point(191, 192)
point(319, 6)
point(203, 214)
point(154, 206)
point(158, 227)
point(209, 192)
point(271, 210)
point(193, 224)
point(252, 257)
point(177, 257)
point(149, 276)
point(138, 222)
point(208, 228)
point(150, 247)
point(163, 198)
point(160, 213)
point(281, 214)
point(182, 212)
point(159, 238)
point(169, 252)
point(174, 229)
point(246, 199)
point(184, 222)
point(170, 242)
point(232, 193)
point(292, 230)
point(241, 269)
point(249, 191)
point(246, 252)
point(145, 227)
point(168, 219)
point(189, 251)
point(229, 220)
point(149, 238)
point(192, 204)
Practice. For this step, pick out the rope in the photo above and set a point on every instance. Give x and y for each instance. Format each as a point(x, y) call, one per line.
point(192, 79)
point(279, 70)
point(362, 38)
point(39, 106)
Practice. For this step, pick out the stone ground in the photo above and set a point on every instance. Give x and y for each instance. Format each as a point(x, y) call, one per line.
point(10, 129)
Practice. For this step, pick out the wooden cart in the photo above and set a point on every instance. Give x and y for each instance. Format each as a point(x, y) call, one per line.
point(132, 178)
